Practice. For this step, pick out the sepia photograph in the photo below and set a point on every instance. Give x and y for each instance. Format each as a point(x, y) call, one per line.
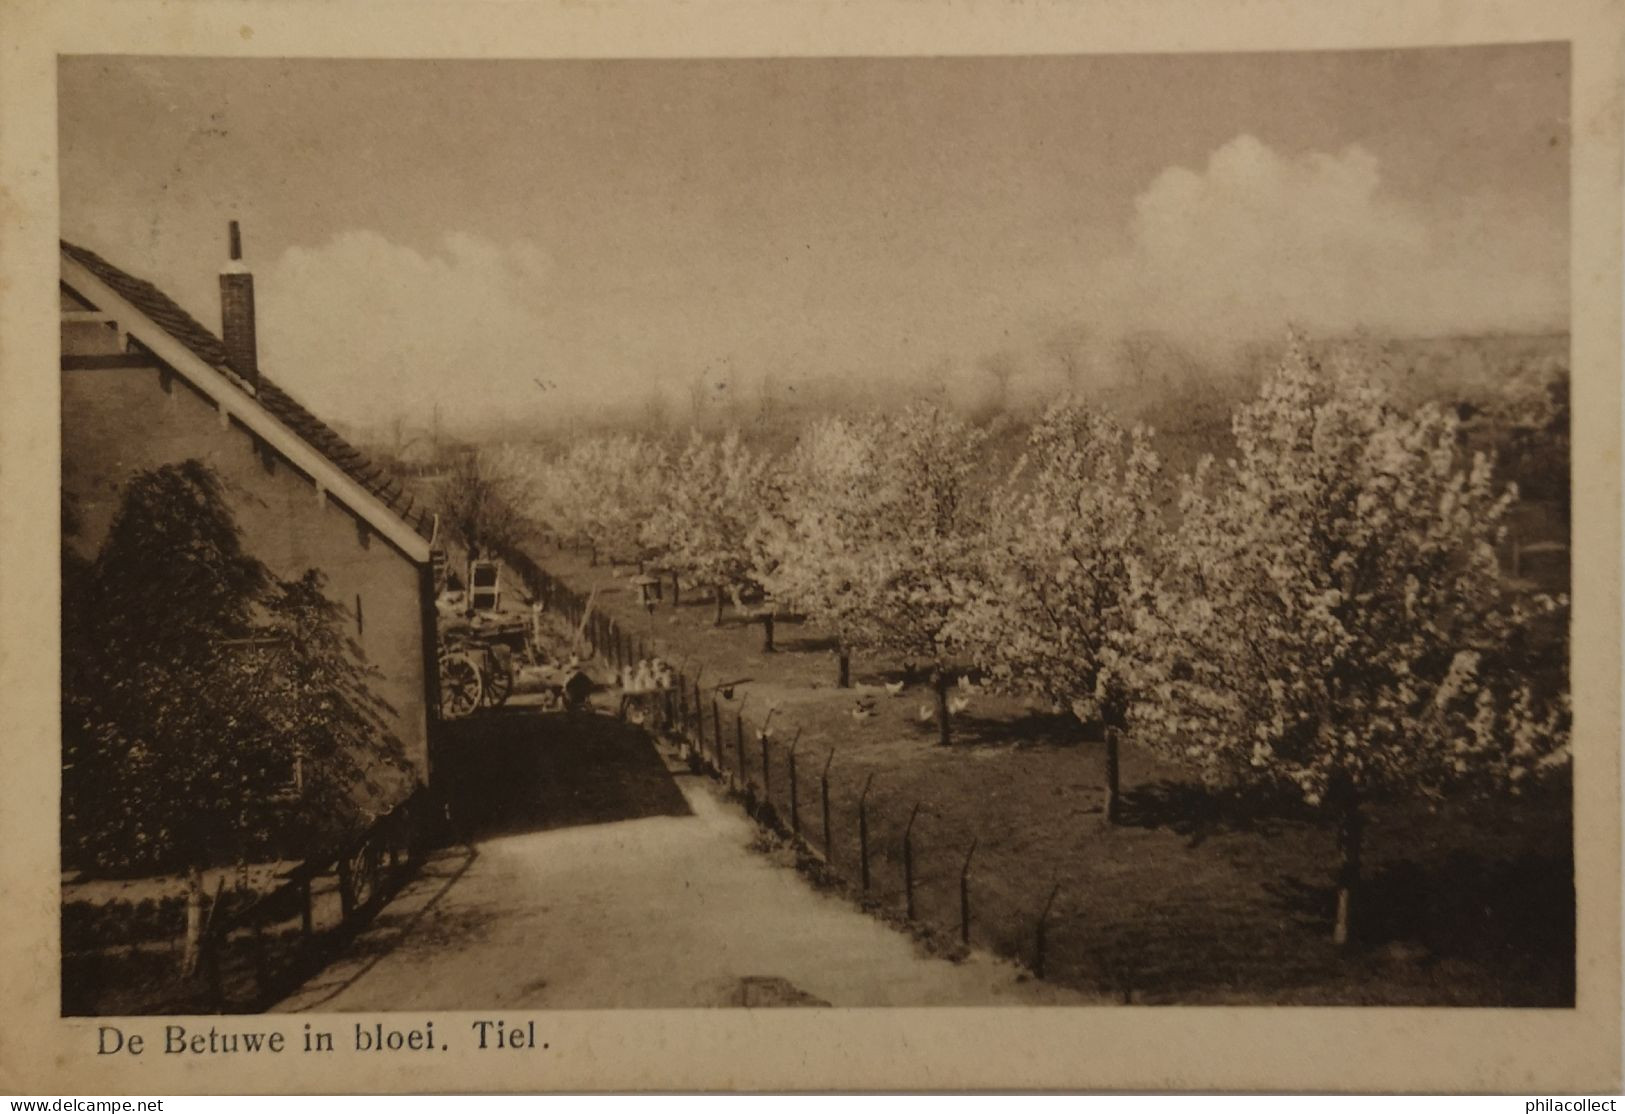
point(811, 532)
point(826, 556)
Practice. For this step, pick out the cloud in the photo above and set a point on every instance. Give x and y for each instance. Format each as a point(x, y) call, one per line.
point(1232, 251)
point(1258, 239)
point(363, 328)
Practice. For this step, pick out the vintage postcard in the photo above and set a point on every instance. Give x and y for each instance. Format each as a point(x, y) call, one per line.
point(735, 547)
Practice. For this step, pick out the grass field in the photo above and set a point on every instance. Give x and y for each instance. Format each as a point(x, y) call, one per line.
point(1190, 899)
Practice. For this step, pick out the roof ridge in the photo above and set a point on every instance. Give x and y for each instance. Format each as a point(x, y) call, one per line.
point(273, 398)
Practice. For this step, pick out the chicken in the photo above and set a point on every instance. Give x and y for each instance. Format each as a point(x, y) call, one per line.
point(895, 688)
point(926, 713)
point(859, 712)
point(965, 684)
point(957, 704)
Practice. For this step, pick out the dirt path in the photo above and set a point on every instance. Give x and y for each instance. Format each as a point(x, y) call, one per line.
point(667, 908)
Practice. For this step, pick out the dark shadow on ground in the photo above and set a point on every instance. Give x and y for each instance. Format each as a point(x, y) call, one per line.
point(517, 770)
point(1033, 729)
point(1500, 911)
point(805, 645)
point(1197, 812)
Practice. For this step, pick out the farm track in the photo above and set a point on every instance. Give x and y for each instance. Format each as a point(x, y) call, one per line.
point(597, 874)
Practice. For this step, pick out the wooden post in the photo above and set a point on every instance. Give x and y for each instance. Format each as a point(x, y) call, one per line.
point(346, 893)
point(1112, 807)
point(1039, 950)
point(863, 833)
point(262, 969)
point(908, 864)
point(767, 632)
point(823, 792)
point(795, 808)
point(767, 777)
point(212, 944)
point(676, 591)
point(964, 894)
point(716, 725)
point(939, 681)
point(739, 746)
point(307, 914)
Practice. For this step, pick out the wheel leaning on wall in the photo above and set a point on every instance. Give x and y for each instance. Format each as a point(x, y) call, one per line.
point(461, 687)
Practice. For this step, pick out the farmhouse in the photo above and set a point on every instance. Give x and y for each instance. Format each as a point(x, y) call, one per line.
point(145, 384)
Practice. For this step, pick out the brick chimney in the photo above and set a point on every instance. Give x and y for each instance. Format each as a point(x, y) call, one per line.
point(237, 314)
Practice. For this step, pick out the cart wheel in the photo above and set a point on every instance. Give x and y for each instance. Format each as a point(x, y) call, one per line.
point(498, 685)
point(363, 874)
point(459, 687)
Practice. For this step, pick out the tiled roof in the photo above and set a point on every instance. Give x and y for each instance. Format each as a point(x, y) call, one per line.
point(207, 347)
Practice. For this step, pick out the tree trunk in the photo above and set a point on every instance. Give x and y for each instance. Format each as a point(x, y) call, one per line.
point(767, 633)
point(1350, 843)
point(676, 591)
point(939, 681)
point(1110, 812)
point(843, 670)
point(717, 620)
point(193, 947)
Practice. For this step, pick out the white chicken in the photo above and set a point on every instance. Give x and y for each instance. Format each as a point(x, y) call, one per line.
point(895, 688)
point(957, 704)
point(926, 713)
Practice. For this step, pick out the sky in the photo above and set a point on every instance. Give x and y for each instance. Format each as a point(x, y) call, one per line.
point(498, 239)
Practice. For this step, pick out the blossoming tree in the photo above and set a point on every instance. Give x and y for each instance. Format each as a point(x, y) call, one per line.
point(815, 533)
point(928, 526)
point(602, 491)
point(1067, 558)
point(705, 523)
point(1331, 617)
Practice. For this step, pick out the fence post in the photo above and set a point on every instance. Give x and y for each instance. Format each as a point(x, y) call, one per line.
point(863, 832)
point(795, 809)
point(211, 970)
point(1043, 919)
point(823, 793)
point(739, 746)
point(767, 777)
point(1112, 808)
point(307, 914)
point(262, 970)
point(346, 892)
point(716, 734)
point(964, 894)
point(908, 864)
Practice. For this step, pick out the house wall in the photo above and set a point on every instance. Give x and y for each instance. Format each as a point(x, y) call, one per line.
point(118, 420)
